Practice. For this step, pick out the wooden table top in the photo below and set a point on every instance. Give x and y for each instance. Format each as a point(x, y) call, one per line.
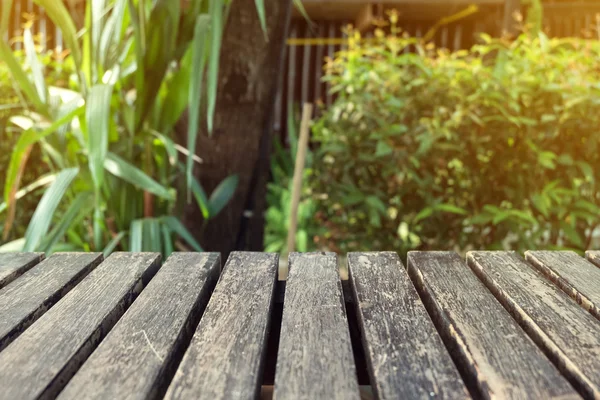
point(496, 325)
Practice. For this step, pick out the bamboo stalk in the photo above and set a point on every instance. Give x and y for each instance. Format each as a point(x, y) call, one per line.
point(298, 172)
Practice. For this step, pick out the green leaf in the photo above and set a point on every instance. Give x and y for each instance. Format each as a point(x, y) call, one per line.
point(216, 32)
point(222, 194)
point(61, 17)
point(260, 9)
point(376, 203)
point(151, 235)
point(301, 240)
point(302, 11)
point(424, 213)
point(21, 78)
point(15, 245)
point(129, 173)
point(571, 234)
point(450, 208)
point(167, 240)
point(78, 209)
point(38, 183)
point(383, 149)
point(42, 217)
point(201, 199)
point(35, 65)
point(195, 91)
point(177, 227)
point(135, 236)
point(98, 115)
point(112, 245)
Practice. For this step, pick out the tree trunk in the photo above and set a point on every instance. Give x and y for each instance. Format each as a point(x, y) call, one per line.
point(241, 140)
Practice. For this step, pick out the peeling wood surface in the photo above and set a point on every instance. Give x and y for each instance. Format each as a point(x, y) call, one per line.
point(315, 358)
point(577, 277)
point(406, 356)
point(225, 357)
point(13, 265)
point(496, 357)
point(139, 356)
point(44, 357)
point(568, 334)
point(27, 298)
point(593, 257)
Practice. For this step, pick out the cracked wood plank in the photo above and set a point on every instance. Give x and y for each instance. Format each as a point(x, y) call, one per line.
point(315, 358)
point(26, 299)
point(44, 357)
point(226, 354)
point(495, 356)
point(13, 265)
point(405, 355)
point(138, 358)
point(577, 277)
point(569, 335)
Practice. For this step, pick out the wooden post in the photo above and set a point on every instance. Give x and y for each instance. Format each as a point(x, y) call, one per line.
point(298, 171)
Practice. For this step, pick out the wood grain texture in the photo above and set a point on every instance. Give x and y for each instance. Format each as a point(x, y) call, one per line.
point(140, 354)
point(569, 335)
point(577, 277)
point(12, 265)
point(315, 358)
point(44, 357)
point(26, 299)
point(405, 355)
point(495, 356)
point(225, 357)
point(593, 257)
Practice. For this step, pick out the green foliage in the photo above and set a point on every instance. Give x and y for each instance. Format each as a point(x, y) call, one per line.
point(279, 197)
point(106, 131)
point(495, 147)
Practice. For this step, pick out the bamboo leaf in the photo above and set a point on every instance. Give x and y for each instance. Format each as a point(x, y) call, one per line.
point(201, 198)
point(222, 194)
point(302, 11)
point(216, 32)
point(177, 227)
point(21, 78)
point(112, 245)
point(195, 91)
point(260, 9)
point(129, 173)
point(135, 236)
point(35, 65)
point(61, 17)
point(76, 212)
point(42, 217)
point(97, 120)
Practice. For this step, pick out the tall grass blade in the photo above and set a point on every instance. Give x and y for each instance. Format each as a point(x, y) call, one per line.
point(129, 173)
point(135, 235)
point(177, 227)
point(98, 115)
point(42, 217)
point(216, 33)
point(35, 65)
point(76, 212)
point(112, 245)
point(260, 9)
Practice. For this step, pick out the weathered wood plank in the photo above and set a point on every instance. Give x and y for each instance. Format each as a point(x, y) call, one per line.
point(44, 357)
point(315, 358)
point(569, 335)
point(405, 355)
point(12, 265)
point(495, 356)
point(225, 357)
point(593, 256)
point(577, 277)
point(140, 354)
point(26, 299)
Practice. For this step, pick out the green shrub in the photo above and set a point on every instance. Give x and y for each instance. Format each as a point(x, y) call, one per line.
point(496, 147)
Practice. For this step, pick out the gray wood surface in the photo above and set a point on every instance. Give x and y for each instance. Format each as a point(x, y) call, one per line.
point(496, 357)
point(576, 276)
point(30, 296)
point(405, 355)
point(568, 334)
point(44, 357)
point(140, 354)
point(593, 257)
point(225, 357)
point(315, 358)
point(13, 265)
